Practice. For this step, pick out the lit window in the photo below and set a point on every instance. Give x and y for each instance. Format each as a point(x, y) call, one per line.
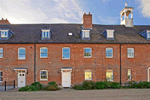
point(130, 52)
point(109, 53)
point(45, 34)
point(4, 34)
point(66, 53)
point(110, 34)
point(148, 34)
point(88, 75)
point(85, 33)
point(21, 53)
point(43, 52)
point(129, 74)
point(44, 75)
point(1, 76)
point(87, 52)
point(1, 52)
point(109, 75)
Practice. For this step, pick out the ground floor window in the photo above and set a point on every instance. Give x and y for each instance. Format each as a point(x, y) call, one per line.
point(1, 76)
point(88, 75)
point(44, 75)
point(109, 75)
point(129, 74)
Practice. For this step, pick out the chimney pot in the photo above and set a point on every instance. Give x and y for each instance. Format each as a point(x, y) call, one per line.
point(2, 19)
point(89, 13)
point(87, 20)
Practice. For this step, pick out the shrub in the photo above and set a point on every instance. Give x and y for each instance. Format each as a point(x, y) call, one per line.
point(38, 85)
point(79, 87)
point(75, 86)
point(29, 88)
point(101, 85)
point(143, 85)
point(115, 85)
point(88, 85)
point(52, 88)
point(132, 84)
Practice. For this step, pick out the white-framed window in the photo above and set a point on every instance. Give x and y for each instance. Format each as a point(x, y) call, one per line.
point(87, 52)
point(65, 53)
point(43, 75)
point(1, 76)
point(21, 53)
point(1, 52)
point(129, 74)
point(109, 52)
point(88, 74)
point(85, 33)
point(130, 52)
point(110, 34)
point(109, 75)
point(148, 34)
point(45, 34)
point(4, 33)
point(43, 52)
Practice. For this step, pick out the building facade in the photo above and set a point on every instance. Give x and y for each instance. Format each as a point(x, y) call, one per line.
point(72, 53)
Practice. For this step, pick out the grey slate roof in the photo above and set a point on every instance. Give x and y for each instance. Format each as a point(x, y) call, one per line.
point(31, 33)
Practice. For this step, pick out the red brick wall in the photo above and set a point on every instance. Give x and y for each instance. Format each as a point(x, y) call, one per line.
point(10, 61)
point(87, 20)
point(139, 64)
point(98, 63)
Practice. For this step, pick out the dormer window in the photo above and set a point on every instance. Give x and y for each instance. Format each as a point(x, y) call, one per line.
point(46, 34)
point(109, 34)
point(4, 33)
point(85, 34)
point(148, 34)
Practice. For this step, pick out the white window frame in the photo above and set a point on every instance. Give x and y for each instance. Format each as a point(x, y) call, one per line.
point(40, 52)
point(111, 53)
point(69, 52)
point(84, 53)
point(85, 35)
point(1, 76)
point(3, 35)
point(130, 53)
point(46, 34)
point(148, 74)
point(148, 36)
point(130, 75)
point(2, 53)
point(18, 53)
point(47, 75)
point(110, 33)
point(112, 75)
point(88, 70)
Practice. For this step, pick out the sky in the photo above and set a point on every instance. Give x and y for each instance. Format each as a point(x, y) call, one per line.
point(105, 12)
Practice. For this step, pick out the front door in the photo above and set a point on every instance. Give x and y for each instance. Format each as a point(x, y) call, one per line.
point(66, 79)
point(21, 79)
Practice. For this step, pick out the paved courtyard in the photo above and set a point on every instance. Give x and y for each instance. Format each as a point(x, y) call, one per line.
point(70, 94)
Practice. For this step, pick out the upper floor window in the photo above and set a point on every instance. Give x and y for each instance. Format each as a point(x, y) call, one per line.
point(85, 33)
point(4, 34)
point(21, 53)
point(45, 34)
point(1, 76)
point(1, 52)
point(88, 75)
point(129, 74)
point(43, 52)
point(109, 52)
point(87, 52)
point(130, 52)
point(148, 34)
point(109, 75)
point(65, 53)
point(43, 75)
point(110, 34)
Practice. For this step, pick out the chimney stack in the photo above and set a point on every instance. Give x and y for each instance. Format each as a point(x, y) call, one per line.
point(87, 20)
point(4, 21)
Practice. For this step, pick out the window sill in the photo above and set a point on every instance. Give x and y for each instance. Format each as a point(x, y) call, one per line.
point(88, 57)
point(43, 57)
point(88, 79)
point(21, 59)
point(109, 57)
point(1, 81)
point(65, 58)
point(130, 57)
point(43, 79)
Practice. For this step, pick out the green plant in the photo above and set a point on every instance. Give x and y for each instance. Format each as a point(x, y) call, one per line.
point(38, 85)
point(79, 88)
point(75, 86)
point(29, 88)
point(101, 85)
point(88, 85)
point(52, 88)
point(115, 85)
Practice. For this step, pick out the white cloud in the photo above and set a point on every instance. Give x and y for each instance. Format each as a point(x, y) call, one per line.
point(145, 7)
point(41, 11)
point(104, 0)
point(108, 20)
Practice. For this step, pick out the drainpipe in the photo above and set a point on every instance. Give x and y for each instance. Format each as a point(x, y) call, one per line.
point(34, 62)
point(120, 64)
